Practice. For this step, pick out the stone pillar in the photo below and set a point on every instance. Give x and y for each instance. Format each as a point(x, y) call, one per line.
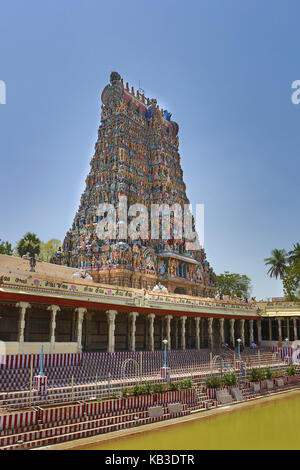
point(176, 333)
point(80, 316)
point(151, 317)
point(132, 317)
point(242, 330)
point(197, 332)
point(222, 336)
point(251, 334)
point(288, 328)
point(168, 328)
point(183, 319)
point(279, 331)
point(232, 320)
point(111, 317)
point(270, 329)
point(210, 333)
point(53, 309)
point(259, 331)
point(23, 306)
point(295, 329)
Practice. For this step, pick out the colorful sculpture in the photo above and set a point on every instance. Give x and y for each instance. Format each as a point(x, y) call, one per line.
point(136, 155)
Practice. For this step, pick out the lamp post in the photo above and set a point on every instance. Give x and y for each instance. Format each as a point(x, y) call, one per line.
point(165, 341)
point(287, 347)
point(239, 348)
point(32, 260)
point(41, 361)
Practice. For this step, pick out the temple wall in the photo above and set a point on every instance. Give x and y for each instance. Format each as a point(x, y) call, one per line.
point(140, 335)
point(121, 332)
point(37, 325)
point(95, 332)
point(64, 326)
point(9, 323)
point(35, 348)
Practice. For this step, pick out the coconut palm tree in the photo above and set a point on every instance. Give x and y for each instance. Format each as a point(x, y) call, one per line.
point(277, 262)
point(30, 243)
point(294, 255)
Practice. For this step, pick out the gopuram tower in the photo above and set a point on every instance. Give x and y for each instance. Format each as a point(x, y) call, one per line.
point(136, 156)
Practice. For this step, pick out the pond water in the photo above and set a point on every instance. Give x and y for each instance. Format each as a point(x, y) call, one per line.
point(265, 425)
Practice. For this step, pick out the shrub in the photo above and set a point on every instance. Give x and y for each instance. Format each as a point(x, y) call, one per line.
point(187, 383)
point(159, 388)
point(137, 390)
point(291, 370)
point(230, 378)
point(268, 373)
point(256, 375)
point(124, 392)
point(277, 373)
point(180, 384)
point(173, 386)
point(148, 388)
point(213, 382)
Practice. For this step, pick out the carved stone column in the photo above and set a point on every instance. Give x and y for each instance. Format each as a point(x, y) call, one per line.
point(251, 334)
point(168, 329)
point(295, 329)
point(242, 325)
point(23, 306)
point(197, 332)
point(151, 317)
point(176, 333)
point(111, 317)
point(288, 328)
point(80, 316)
point(132, 316)
point(183, 320)
point(270, 329)
point(279, 331)
point(222, 335)
point(232, 320)
point(259, 330)
point(210, 333)
point(53, 309)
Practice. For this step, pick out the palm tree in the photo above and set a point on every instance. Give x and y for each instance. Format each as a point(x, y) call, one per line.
point(294, 255)
point(30, 243)
point(277, 262)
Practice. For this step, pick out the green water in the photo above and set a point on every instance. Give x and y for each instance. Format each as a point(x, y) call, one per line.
point(271, 425)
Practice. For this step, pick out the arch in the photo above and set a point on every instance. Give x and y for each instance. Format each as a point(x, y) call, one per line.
point(127, 361)
point(180, 290)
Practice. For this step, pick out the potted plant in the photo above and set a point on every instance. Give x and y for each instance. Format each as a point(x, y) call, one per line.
point(291, 372)
point(212, 383)
point(230, 379)
point(255, 377)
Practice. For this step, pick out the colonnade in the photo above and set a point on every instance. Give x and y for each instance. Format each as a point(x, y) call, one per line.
point(283, 330)
point(171, 333)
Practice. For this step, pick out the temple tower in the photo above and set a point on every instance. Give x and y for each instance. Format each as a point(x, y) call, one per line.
point(136, 155)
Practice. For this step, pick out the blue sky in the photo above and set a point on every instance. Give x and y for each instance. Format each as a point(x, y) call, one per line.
point(224, 68)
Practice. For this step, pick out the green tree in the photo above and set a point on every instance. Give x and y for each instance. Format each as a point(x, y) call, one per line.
point(291, 281)
point(294, 255)
point(49, 248)
point(277, 263)
point(30, 243)
point(233, 284)
point(5, 248)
